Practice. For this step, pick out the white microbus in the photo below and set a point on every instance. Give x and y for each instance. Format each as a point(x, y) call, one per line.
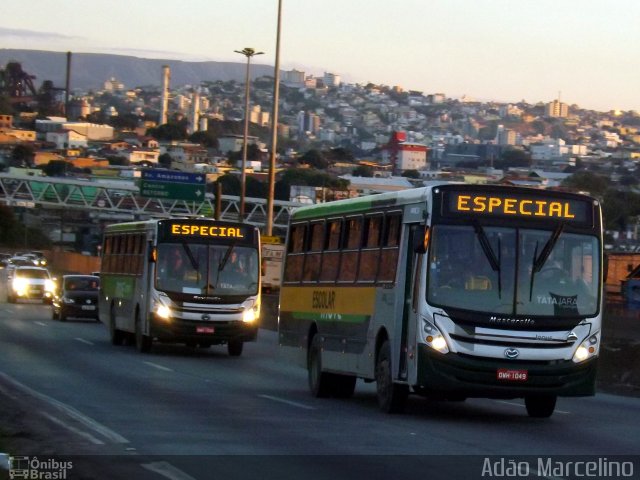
point(193, 281)
point(451, 291)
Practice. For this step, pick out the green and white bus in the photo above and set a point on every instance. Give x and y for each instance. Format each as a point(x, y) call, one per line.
point(449, 291)
point(192, 281)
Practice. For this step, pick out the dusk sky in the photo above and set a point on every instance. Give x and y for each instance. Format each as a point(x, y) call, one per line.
point(586, 51)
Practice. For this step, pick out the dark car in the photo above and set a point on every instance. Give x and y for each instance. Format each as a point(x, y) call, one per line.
point(76, 297)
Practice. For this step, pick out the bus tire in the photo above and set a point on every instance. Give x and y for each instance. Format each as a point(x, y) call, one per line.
point(392, 397)
point(234, 347)
point(143, 342)
point(54, 315)
point(116, 336)
point(320, 383)
point(540, 406)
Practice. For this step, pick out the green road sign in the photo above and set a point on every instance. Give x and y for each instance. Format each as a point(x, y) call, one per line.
point(174, 191)
point(172, 185)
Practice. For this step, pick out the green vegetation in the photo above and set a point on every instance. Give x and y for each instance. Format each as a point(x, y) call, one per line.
point(619, 207)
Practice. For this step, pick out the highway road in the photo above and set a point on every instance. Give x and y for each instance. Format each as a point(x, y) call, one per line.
point(184, 413)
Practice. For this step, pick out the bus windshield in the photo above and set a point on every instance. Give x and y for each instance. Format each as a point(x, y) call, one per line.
point(204, 269)
point(513, 271)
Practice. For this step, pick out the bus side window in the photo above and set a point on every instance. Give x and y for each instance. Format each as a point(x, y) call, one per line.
point(295, 254)
point(390, 248)
point(331, 254)
point(369, 257)
point(314, 253)
point(351, 250)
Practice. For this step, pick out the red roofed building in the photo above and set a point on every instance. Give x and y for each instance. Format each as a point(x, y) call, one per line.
point(403, 155)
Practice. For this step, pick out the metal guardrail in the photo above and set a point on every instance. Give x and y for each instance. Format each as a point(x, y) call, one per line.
point(115, 197)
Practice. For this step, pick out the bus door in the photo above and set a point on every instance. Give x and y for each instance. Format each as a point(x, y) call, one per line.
point(410, 310)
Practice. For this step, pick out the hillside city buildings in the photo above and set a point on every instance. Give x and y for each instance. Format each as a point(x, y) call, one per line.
point(386, 129)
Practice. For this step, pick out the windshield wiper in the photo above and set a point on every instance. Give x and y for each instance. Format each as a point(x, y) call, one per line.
point(194, 262)
point(539, 261)
point(548, 248)
point(494, 261)
point(227, 254)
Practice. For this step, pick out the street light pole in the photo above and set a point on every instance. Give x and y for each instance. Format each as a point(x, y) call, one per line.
point(274, 128)
point(247, 52)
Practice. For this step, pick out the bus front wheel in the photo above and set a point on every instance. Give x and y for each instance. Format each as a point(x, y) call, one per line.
point(540, 406)
point(392, 397)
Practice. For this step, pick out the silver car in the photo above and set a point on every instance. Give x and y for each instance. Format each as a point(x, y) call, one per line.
point(30, 283)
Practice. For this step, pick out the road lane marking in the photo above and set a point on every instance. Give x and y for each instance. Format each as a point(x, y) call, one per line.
point(41, 324)
point(288, 402)
point(68, 410)
point(159, 367)
point(523, 406)
point(85, 435)
point(82, 340)
point(167, 470)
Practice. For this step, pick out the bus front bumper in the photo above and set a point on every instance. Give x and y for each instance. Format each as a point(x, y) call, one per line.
point(179, 330)
point(453, 374)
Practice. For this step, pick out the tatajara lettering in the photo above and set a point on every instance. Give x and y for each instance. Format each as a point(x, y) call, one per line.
point(513, 206)
point(206, 231)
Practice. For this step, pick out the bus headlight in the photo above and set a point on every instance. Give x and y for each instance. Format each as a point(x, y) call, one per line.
point(163, 312)
point(433, 338)
point(587, 349)
point(49, 285)
point(251, 311)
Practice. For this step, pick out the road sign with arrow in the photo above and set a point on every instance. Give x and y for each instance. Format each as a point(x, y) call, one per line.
point(172, 184)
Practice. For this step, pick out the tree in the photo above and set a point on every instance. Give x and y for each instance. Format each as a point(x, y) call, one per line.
point(57, 168)
point(411, 174)
point(513, 157)
point(169, 131)
point(586, 181)
point(308, 177)
point(362, 171)
point(22, 155)
point(207, 138)
point(253, 153)
point(315, 159)
point(165, 160)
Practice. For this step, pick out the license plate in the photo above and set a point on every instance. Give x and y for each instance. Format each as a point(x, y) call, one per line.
point(508, 375)
point(88, 307)
point(205, 330)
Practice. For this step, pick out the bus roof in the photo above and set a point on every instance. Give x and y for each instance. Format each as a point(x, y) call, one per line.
point(405, 197)
point(352, 205)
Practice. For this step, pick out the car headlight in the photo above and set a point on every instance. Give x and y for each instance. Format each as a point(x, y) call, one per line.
point(68, 300)
point(433, 337)
point(49, 285)
point(587, 349)
point(19, 285)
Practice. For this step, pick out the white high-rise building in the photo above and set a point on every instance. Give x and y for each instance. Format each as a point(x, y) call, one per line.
point(331, 79)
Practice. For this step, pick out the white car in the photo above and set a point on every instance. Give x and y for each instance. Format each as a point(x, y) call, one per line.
point(30, 283)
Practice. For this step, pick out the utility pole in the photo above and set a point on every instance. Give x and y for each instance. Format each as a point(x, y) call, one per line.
point(274, 128)
point(247, 52)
